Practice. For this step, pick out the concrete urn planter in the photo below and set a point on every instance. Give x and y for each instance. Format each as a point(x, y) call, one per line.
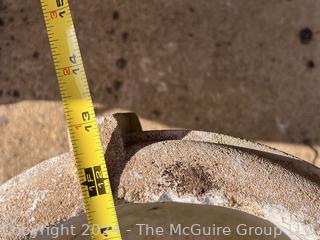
point(172, 177)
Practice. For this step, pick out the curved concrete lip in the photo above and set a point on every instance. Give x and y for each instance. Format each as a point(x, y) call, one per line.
point(174, 220)
point(173, 166)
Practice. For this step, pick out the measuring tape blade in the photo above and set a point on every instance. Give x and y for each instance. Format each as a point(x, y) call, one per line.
point(79, 112)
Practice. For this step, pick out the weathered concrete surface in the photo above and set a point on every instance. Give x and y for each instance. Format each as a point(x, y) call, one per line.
point(170, 214)
point(32, 131)
point(182, 166)
point(238, 67)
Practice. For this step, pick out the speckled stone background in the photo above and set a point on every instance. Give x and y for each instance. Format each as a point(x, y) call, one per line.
point(241, 67)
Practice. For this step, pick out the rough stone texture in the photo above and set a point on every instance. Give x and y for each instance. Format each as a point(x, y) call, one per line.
point(183, 166)
point(33, 131)
point(209, 174)
point(43, 195)
point(242, 67)
point(28, 124)
point(237, 67)
point(48, 183)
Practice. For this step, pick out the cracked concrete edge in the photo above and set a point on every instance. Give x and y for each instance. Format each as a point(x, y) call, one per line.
point(49, 194)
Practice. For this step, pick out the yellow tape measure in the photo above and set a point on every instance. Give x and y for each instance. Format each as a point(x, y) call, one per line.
point(81, 120)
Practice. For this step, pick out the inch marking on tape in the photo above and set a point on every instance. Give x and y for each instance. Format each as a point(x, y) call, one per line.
point(81, 119)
